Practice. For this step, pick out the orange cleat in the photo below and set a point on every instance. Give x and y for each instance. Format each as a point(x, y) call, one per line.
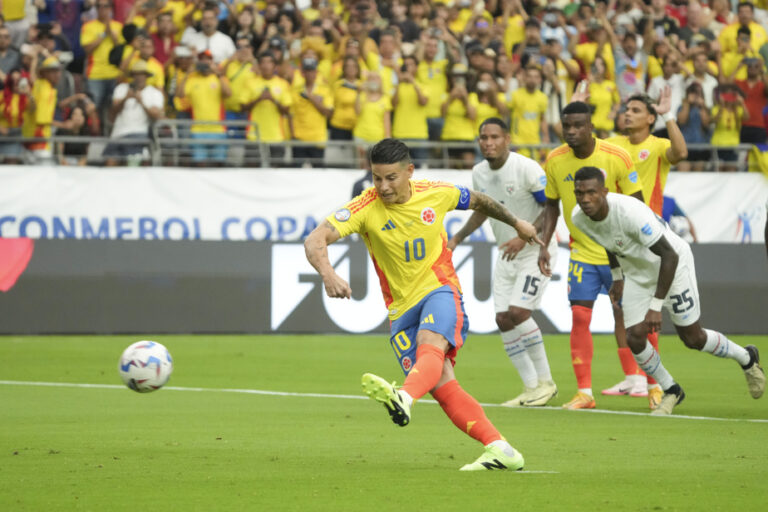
point(654, 397)
point(580, 401)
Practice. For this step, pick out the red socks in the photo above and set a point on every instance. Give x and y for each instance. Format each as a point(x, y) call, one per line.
point(581, 346)
point(465, 412)
point(426, 372)
point(628, 363)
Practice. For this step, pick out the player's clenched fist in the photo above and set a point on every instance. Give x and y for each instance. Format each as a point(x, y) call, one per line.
point(336, 287)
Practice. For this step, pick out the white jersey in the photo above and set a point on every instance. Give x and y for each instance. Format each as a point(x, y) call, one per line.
point(513, 185)
point(628, 231)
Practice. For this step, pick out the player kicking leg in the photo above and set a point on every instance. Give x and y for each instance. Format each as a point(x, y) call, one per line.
point(518, 286)
point(425, 340)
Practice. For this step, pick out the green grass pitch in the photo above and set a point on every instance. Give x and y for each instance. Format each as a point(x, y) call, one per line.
point(105, 449)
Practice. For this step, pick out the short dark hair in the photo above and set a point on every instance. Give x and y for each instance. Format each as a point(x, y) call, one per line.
point(589, 173)
point(645, 100)
point(577, 107)
point(389, 151)
point(497, 121)
point(265, 54)
point(746, 4)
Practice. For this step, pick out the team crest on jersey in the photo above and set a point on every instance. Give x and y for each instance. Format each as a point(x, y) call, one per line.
point(643, 154)
point(619, 242)
point(510, 187)
point(428, 216)
point(343, 215)
point(407, 363)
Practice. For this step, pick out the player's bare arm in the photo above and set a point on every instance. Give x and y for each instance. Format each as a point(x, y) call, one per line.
point(474, 222)
point(678, 150)
point(316, 249)
point(669, 259)
point(617, 287)
point(547, 220)
point(492, 208)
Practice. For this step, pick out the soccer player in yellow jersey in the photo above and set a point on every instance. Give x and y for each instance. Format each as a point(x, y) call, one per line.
point(652, 156)
point(401, 222)
point(588, 270)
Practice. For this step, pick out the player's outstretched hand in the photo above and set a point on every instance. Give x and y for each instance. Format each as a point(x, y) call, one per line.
point(527, 232)
point(337, 288)
point(653, 320)
point(665, 101)
point(510, 248)
point(544, 262)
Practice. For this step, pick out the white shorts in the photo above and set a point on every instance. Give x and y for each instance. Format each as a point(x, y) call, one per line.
point(519, 282)
point(682, 302)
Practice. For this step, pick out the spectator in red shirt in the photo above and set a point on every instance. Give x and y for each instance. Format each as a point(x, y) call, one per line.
point(164, 37)
point(755, 89)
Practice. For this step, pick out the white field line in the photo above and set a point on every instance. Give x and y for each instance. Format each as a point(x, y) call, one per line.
point(358, 397)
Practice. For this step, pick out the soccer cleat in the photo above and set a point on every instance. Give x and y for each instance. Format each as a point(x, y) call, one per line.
point(671, 398)
point(520, 399)
point(654, 397)
point(580, 401)
point(544, 392)
point(622, 388)
point(754, 373)
point(495, 458)
point(639, 388)
point(384, 392)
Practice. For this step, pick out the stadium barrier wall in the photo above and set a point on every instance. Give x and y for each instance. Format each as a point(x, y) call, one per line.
point(285, 205)
point(116, 286)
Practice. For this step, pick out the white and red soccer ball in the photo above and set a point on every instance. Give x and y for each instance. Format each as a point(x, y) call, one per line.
point(145, 366)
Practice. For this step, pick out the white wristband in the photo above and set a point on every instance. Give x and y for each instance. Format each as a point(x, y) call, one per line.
point(656, 304)
point(616, 274)
point(667, 117)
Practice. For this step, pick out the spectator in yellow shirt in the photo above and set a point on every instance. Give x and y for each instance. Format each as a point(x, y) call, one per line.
point(267, 105)
point(460, 111)
point(727, 116)
point(97, 38)
point(206, 90)
point(410, 114)
point(38, 119)
point(490, 101)
point(604, 97)
point(145, 51)
point(345, 92)
point(728, 37)
point(374, 115)
point(14, 99)
point(238, 70)
point(527, 107)
point(433, 74)
point(311, 107)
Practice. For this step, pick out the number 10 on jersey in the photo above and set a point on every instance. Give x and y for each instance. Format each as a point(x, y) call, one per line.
point(415, 249)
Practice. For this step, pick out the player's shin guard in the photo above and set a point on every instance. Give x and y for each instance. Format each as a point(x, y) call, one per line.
point(426, 371)
point(534, 345)
point(581, 346)
point(519, 357)
point(653, 339)
point(720, 346)
point(465, 412)
point(650, 361)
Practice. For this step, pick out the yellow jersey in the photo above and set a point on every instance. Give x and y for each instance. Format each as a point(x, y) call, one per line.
point(432, 75)
point(206, 102)
point(344, 96)
point(407, 242)
point(603, 96)
point(37, 121)
point(728, 37)
point(620, 176)
point(410, 117)
point(308, 123)
point(370, 122)
point(526, 110)
point(457, 125)
point(728, 128)
point(239, 75)
point(650, 160)
point(487, 111)
point(586, 53)
point(266, 113)
point(98, 66)
point(14, 10)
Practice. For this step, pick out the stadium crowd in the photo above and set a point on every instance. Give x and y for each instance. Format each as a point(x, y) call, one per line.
point(299, 73)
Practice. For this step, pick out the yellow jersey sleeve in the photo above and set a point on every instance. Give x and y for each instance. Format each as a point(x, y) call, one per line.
point(351, 217)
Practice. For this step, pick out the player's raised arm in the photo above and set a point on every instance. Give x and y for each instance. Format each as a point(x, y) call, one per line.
point(669, 259)
point(316, 249)
point(491, 208)
point(474, 222)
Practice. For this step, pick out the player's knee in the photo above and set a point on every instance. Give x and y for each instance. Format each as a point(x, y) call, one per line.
point(504, 322)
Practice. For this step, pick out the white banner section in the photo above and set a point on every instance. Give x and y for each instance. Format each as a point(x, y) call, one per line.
point(284, 205)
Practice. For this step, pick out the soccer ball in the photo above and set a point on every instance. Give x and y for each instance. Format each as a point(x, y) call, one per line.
point(145, 366)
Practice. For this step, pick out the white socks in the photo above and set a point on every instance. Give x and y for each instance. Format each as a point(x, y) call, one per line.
point(650, 362)
point(517, 353)
point(534, 344)
point(720, 346)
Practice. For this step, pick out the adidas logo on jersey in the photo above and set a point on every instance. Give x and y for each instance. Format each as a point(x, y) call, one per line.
point(569, 178)
point(389, 225)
